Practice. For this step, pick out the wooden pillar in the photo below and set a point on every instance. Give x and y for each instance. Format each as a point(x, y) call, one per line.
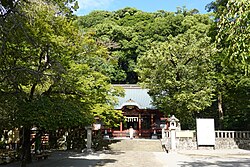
point(139, 124)
point(152, 119)
point(120, 126)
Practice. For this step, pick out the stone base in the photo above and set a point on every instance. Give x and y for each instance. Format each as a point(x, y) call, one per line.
point(88, 151)
point(154, 136)
point(106, 137)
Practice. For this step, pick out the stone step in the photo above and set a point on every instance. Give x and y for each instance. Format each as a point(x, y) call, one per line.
point(137, 145)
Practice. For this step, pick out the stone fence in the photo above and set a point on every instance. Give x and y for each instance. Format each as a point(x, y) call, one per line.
point(233, 134)
point(186, 140)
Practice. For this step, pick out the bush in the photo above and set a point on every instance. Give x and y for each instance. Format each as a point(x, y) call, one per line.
point(2, 145)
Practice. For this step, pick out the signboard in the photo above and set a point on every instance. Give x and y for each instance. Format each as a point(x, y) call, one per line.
point(205, 132)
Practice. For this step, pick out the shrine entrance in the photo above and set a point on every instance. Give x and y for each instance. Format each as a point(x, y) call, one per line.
point(131, 122)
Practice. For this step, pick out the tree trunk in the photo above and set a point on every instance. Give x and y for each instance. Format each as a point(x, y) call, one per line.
point(220, 109)
point(26, 147)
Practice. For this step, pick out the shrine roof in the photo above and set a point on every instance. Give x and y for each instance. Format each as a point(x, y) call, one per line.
point(135, 96)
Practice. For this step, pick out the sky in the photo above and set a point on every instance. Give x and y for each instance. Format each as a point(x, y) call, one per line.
point(86, 6)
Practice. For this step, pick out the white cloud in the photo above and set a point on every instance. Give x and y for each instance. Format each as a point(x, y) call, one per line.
point(85, 6)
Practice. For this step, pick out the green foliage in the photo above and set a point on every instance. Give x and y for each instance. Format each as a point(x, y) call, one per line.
point(231, 60)
point(107, 114)
point(237, 105)
point(234, 32)
point(128, 33)
point(64, 7)
point(93, 18)
point(50, 76)
point(231, 35)
point(48, 79)
point(179, 72)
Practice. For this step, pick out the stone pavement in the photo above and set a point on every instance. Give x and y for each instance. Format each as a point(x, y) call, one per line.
point(210, 158)
point(147, 145)
point(194, 158)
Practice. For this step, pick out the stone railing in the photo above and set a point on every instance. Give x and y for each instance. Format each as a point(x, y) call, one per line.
point(218, 134)
point(232, 134)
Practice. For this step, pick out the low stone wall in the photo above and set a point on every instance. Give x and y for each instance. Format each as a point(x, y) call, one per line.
point(230, 143)
point(186, 144)
point(220, 143)
point(223, 140)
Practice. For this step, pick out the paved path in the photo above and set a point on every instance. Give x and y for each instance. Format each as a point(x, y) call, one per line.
point(210, 158)
point(194, 158)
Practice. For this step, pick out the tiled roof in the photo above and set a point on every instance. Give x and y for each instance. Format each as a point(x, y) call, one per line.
point(135, 95)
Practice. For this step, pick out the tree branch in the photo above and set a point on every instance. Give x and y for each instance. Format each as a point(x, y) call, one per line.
point(32, 90)
point(188, 61)
point(171, 60)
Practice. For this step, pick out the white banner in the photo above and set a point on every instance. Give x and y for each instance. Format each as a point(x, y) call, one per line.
point(205, 132)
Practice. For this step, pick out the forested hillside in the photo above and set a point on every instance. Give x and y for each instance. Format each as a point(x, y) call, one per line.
point(128, 33)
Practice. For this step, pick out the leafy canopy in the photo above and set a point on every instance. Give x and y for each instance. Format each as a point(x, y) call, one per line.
point(47, 78)
point(179, 72)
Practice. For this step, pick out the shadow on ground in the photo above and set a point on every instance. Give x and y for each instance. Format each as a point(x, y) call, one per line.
point(71, 159)
point(224, 163)
point(76, 159)
point(100, 144)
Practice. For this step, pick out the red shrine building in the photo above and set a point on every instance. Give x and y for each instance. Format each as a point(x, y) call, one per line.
point(139, 113)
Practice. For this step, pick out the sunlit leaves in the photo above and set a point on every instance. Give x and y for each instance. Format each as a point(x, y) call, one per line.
point(179, 73)
point(50, 76)
point(233, 33)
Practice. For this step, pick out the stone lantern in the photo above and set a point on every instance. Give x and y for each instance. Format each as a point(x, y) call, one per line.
point(173, 121)
point(172, 127)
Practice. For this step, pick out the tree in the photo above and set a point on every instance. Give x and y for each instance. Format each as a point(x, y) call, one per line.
point(46, 77)
point(93, 18)
point(232, 60)
point(66, 7)
point(234, 31)
point(179, 73)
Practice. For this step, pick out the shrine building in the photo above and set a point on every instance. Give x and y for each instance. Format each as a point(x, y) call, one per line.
point(139, 113)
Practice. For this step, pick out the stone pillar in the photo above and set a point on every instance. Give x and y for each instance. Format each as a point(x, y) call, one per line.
point(154, 135)
point(163, 133)
point(139, 124)
point(173, 138)
point(89, 136)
